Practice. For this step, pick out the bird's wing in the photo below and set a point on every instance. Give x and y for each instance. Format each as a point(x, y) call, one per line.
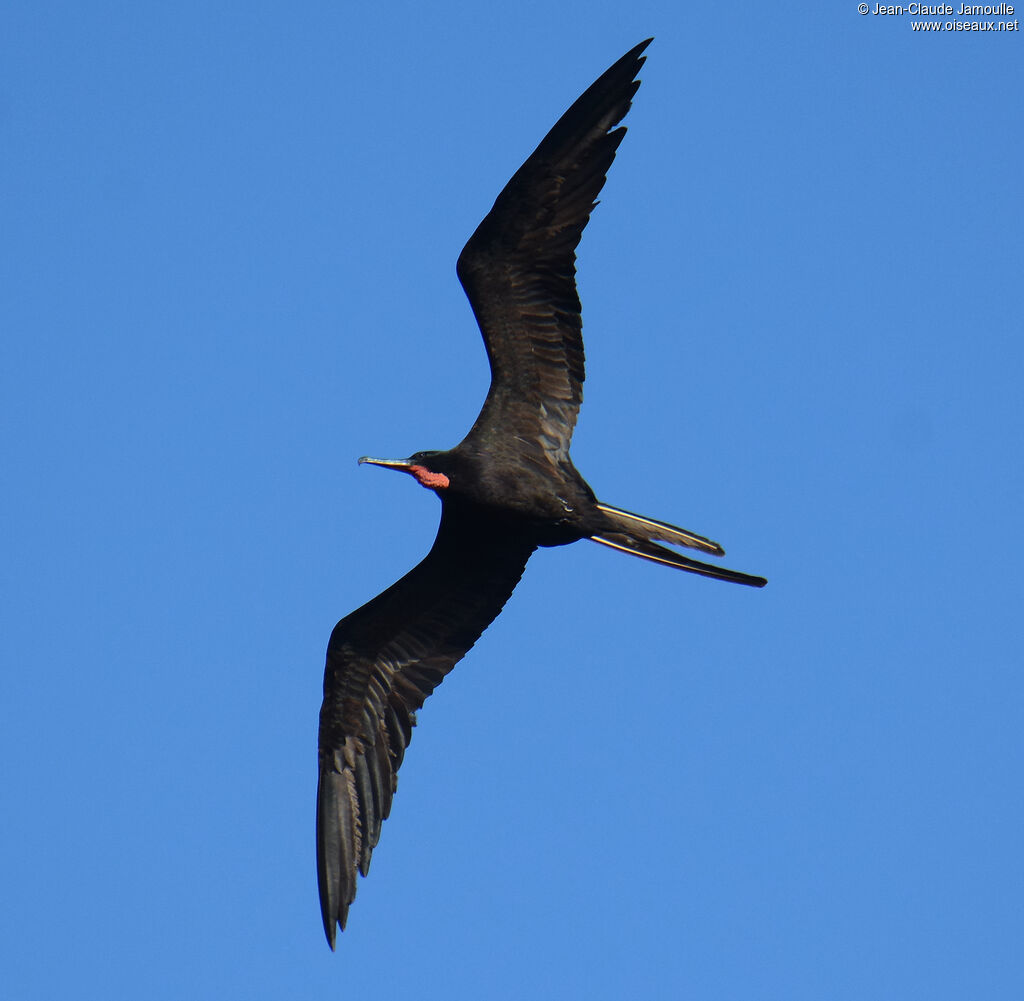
point(519, 272)
point(383, 661)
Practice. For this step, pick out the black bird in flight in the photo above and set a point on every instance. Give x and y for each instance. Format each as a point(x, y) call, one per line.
point(508, 487)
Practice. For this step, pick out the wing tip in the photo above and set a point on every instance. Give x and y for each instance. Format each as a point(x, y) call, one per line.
point(634, 55)
point(335, 878)
point(639, 47)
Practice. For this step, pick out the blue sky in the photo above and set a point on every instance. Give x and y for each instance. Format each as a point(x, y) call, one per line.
point(228, 270)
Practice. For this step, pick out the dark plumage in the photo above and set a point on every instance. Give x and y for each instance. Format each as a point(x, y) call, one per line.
point(506, 489)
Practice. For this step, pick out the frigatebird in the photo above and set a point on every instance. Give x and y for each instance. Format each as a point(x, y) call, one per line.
point(508, 487)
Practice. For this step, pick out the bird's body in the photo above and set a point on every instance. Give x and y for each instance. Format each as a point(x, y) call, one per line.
point(506, 489)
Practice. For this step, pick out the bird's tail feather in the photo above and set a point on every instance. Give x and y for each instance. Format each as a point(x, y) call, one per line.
point(636, 535)
point(649, 528)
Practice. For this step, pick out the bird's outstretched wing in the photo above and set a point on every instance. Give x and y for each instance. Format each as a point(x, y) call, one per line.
point(519, 272)
point(383, 661)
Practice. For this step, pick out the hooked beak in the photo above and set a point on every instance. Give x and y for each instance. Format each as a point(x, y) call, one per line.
point(421, 474)
point(403, 464)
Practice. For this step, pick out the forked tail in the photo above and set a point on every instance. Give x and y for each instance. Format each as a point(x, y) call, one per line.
point(635, 534)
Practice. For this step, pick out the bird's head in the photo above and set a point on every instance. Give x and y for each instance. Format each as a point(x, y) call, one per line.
point(430, 469)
